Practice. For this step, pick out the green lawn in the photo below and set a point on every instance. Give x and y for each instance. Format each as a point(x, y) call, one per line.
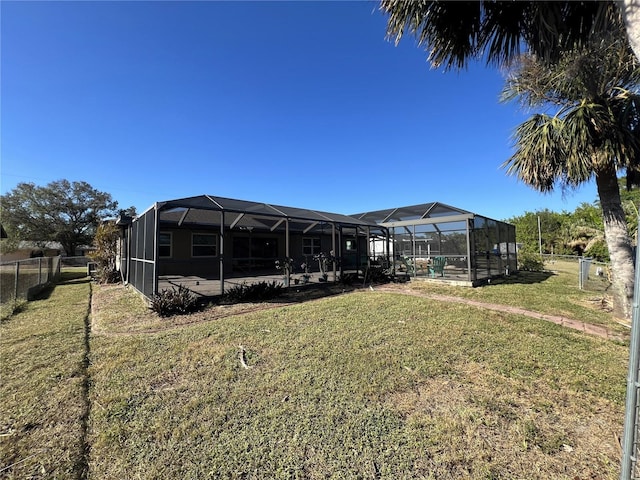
point(553, 292)
point(362, 385)
point(43, 406)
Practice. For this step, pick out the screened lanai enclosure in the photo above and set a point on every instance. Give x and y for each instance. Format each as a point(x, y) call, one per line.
point(434, 240)
point(209, 244)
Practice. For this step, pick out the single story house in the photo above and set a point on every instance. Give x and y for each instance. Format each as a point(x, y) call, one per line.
point(209, 243)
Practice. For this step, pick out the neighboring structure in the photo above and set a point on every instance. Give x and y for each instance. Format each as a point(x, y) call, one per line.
point(218, 241)
point(472, 248)
point(29, 249)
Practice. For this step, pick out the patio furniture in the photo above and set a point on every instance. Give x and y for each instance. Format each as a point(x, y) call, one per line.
point(437, 266)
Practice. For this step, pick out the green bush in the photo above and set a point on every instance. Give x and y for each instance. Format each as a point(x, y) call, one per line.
point(176, 301)
point(598, 250)
point(105, 253)
point(530, 262)
point(348, 279)
point(108, 275)
point(377, 274)
point(255, 292)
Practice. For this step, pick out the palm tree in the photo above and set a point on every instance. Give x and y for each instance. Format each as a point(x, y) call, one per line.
point(592, 131)
point(456, 32)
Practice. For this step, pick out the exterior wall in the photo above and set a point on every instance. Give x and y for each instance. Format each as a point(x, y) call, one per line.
point(182, 262)
point(237, 259)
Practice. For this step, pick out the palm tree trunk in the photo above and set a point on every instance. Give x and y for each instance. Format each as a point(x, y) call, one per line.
point(631, 14)
point(618, 242)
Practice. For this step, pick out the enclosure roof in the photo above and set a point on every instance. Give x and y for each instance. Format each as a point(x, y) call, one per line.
point(198, 210)
point(411, 212)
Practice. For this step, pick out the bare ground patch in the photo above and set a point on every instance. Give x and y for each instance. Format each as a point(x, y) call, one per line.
point(485, 425)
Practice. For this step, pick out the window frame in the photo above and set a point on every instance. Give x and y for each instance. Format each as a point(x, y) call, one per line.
point(312, 246)
point(160, 244)
point(214, 245)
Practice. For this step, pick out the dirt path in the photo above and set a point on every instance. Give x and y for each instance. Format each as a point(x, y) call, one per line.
point(588, 328)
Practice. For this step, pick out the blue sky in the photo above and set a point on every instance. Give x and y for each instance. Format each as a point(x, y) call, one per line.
point(293, 103)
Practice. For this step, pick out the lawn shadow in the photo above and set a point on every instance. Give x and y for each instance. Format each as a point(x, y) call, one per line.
point(293, 294)
point(66, 278)
point(73, 277)
point(522, 278)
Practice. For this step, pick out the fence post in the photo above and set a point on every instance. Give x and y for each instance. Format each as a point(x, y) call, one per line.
point(580, 273)
point(15, 283)
point(39, 270)
point(630, 432)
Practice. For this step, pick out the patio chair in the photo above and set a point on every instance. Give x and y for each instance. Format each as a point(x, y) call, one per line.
point(438, 266)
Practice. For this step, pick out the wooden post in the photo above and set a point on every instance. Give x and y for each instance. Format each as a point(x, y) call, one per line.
point(15, 289)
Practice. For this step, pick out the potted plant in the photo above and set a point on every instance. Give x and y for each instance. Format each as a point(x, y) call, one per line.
point(286, 267)
point(323, 264)
point(306, 275)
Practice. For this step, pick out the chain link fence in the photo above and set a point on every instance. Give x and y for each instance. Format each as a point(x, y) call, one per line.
point(23, 279)
point(592, 276)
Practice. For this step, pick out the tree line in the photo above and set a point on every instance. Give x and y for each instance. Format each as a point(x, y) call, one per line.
point(579, 233)
point(65, 212)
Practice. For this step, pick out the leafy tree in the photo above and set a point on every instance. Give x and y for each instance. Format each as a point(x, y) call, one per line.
point(553, 231)
point(597, 248)
point(592, 132)
point(585, 232)
point(62, 211)
point(589, 215)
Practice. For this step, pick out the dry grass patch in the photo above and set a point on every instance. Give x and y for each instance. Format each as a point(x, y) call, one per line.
point(42, 396)
point(555, 292)
point(364, 385)
point(484, 425)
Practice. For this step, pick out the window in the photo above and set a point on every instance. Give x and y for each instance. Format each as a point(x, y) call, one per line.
point(164, 244)
point(350, 245)
point(311, 246)
point(204, 245)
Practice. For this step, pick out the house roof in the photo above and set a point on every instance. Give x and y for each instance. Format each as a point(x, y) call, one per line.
point(433, 210)
point(243, 214)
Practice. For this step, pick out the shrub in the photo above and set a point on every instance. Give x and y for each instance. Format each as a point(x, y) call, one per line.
point(598, 250)
point(377, 274)
point(176, 301)
point(107, 275)
point(530, 262)
point(255, 292)
point(348, 279)
point(106, 246)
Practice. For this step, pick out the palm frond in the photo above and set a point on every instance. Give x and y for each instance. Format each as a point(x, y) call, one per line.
point(448, 30)
point(539, 144)
point(455, 32)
